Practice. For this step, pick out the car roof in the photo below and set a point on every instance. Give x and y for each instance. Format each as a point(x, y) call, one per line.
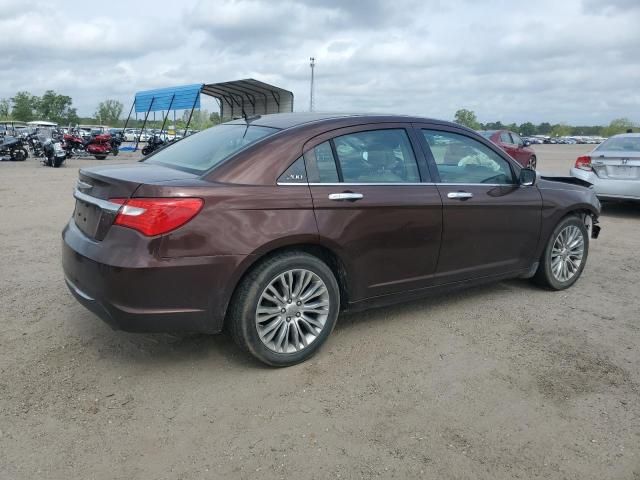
point(626, 135)
point(290, 120)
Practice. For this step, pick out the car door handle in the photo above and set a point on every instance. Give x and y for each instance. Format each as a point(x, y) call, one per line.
point(460, 195)
point(345, 196)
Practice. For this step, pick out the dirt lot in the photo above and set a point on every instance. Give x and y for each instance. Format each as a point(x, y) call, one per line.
point(503, 381)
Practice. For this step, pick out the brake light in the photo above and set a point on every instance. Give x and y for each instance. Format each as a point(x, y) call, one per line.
point(584, 163)
point(155, 216)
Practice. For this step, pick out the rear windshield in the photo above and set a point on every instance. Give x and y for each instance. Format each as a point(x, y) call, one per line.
point(620, 144)
point(202, 151)
point(487, 133)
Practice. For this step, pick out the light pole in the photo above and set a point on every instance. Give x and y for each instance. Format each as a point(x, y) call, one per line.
point(312, 64)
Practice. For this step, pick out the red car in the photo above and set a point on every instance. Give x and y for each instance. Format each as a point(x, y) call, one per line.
point(513, 144)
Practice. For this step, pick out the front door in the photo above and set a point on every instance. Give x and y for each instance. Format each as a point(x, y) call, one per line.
point(491, 223)
point(373, 208)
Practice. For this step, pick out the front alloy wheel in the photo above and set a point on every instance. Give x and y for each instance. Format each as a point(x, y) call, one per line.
point(565, 255)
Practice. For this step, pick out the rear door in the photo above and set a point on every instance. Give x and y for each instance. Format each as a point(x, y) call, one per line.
point(521, 155)
point(374, 204)
point(491, 224)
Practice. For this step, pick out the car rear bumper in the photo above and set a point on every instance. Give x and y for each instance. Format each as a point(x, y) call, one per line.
point(138, 293)
point(607, 188)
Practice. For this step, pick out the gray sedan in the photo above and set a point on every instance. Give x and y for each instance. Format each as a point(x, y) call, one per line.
point(613, 167)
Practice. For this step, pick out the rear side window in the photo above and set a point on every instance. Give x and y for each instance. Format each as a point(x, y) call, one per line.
point(322, 165)
point(201, 152)
point(377, 156)
point(461, 159)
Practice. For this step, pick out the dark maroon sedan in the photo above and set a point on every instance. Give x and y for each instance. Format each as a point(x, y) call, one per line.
point(273, 225)
point(513, 144)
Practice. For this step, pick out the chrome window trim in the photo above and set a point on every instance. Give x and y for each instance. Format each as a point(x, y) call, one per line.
point(336, 184)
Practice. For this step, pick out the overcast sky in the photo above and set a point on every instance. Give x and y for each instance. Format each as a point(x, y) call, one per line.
point(575, 61)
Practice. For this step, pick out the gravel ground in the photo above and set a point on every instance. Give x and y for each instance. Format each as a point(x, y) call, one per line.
point(502, 381)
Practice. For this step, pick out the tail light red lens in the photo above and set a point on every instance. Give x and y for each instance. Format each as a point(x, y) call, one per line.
point(584, 163)
point(155, 216)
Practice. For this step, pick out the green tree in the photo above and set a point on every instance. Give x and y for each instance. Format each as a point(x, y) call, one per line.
point(560, 130)
point(618, 125)
point(493, 126)
point(109, 112)
point(56, 108)
point(5, 109)
point(215, 118)
point(527, 129)
point(24, 106)
point(544, 128)
point(467, 118)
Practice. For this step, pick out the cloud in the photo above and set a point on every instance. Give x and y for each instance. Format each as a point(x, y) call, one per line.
point(574, 61)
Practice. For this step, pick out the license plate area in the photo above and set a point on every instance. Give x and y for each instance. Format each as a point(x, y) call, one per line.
point(622, 171)
point(87, 217)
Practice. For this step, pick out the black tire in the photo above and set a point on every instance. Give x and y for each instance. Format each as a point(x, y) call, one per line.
point(115, 152)
point(146, 151)
point(533, 162)
point(100, 157)
point(57, 161)
point(242, 310)
point(544, 275)
point(19, 155)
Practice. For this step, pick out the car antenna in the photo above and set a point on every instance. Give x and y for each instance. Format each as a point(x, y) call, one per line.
point(249, 119)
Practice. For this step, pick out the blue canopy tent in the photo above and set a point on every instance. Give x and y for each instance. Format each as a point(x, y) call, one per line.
point(236, 99)
point(184, 97)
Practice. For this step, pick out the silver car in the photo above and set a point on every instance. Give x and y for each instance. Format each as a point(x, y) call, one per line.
point(613, 167)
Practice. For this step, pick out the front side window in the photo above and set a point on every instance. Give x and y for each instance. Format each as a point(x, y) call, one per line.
point(516, 139)
point(461, 159)
point(203, 151)
point(505, 138)
point(376, 156)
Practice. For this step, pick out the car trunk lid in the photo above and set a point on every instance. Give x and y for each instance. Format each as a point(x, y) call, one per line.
point(617, 165)
point(94, 213)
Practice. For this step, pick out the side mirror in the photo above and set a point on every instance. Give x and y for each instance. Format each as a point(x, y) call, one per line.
point(527, 177)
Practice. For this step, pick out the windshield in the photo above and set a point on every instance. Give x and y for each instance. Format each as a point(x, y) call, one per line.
point(202, 151)
point(621, 144)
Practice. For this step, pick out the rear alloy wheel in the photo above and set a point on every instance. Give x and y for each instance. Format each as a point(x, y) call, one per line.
point(100, 157)
point(285, 308)
point(565, 255)
point(533, 161)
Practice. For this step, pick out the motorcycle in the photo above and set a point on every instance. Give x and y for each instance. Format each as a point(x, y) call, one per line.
point(154, 143)
point(54, 154)
point(116, 141)
point(34, 145)
point(99, 145)
point(13, 149)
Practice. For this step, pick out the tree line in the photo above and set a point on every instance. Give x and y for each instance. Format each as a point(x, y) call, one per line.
point(54, 107)
point(619, 125)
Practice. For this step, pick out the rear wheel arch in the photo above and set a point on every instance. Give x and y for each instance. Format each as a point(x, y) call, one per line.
point(322, 252)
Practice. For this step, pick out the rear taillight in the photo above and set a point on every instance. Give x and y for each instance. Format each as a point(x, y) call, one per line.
point(584, 163)
point(155, 216)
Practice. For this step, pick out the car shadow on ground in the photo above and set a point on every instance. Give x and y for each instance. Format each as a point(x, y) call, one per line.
point(620, 209)
point(220, 349)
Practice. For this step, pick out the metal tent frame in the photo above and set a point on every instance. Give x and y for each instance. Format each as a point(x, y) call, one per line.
point(248, 97)
point(238, 98)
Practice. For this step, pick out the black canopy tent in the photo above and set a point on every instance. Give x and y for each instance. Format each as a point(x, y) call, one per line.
point(248, 97)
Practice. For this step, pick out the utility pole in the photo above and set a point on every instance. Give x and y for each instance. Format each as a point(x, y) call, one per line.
point(312, 64)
